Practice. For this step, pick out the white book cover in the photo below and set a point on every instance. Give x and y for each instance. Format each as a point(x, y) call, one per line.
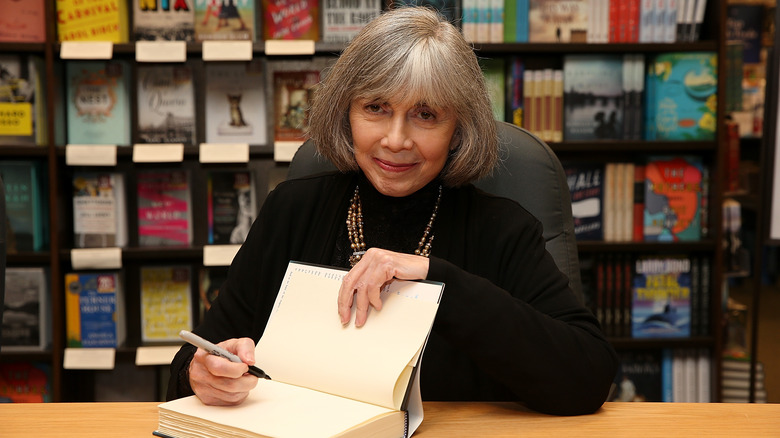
point(236, 103)
point(99, 217)
point(341, 21)
point(166, 104)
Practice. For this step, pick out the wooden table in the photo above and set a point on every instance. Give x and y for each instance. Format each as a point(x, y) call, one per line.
point(117, 420)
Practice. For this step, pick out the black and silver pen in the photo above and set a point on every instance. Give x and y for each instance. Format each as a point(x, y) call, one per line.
point(199, 342)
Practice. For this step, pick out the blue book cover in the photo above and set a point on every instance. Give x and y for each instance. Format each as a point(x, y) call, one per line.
point(592, 97)
point(683, 102)
point(586, 186)
point(744, 23)
point(94, 314)
point(26, 205)
point(661, 297)
point(673, 198)
point(98, 102)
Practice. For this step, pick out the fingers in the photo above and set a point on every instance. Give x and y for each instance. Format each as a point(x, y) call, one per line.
point(218, 381)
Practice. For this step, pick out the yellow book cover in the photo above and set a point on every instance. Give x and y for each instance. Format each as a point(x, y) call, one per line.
point(92, 20)
point(166, 305)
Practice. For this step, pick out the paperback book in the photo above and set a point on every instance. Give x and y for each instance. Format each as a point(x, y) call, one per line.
point(232, 206)
point(164, 208)
point(99, 210)
point(558, 21)
point(341, 21)
point(92, 20)
point(23, 21)
point(94, 310)
point(98, 102)
point(639, 377)
point(166, 104)
point(26, 206)
point(22, 116)
point(235, 103)
point(171, 20)
point(661, 302)
point(586, 186)
point(25, 382)
point(225, 20)
point(166, 303)
point(291, 19)
point(292, 95)
point(673, 198)
point(593, 97)
point(27, 310)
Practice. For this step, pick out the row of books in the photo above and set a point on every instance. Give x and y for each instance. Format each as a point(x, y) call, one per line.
point(663, 198)
point(171, 299)
point(642, 296)
point(680, 375)
point(735, 381)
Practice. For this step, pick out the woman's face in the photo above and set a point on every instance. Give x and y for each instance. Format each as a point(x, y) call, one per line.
point(400, 146)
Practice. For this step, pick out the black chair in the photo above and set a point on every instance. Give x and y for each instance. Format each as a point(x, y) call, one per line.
point(529, 172)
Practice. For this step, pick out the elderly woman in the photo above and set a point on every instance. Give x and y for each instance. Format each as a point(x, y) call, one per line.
point(405, 116)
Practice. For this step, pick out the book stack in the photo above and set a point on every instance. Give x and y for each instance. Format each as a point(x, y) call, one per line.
point(735, 381)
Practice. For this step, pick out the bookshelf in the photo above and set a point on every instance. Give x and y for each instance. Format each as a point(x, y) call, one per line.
point(77, 385)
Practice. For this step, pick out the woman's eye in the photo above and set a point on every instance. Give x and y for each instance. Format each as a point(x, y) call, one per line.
point(374, 108)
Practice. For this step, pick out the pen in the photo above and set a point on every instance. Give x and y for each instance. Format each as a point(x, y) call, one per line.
point(199, 342)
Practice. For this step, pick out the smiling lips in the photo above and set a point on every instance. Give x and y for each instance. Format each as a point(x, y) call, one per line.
point(393, 167)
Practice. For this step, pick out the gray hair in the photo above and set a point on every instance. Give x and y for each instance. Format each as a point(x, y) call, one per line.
point(409, 52)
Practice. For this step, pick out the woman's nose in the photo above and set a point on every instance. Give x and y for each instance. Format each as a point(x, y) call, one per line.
point(397, 137)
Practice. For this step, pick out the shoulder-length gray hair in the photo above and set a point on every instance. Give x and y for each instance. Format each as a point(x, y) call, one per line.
point(409, 52)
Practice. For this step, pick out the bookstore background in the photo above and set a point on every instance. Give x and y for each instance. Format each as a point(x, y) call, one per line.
point(138, 139)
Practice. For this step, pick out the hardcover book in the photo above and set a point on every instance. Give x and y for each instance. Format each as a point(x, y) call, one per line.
point(172, 20)
point(593, 97)
point(235, 103)
point(92, 20)
point(22, 116)
point(744, 22)
point(557, 21)
point(99, 210)
point(586, 186)
point(673, 196)
point(225, 20)
point(292, 94)
point(23, 21)
point(98, 102)
point(94, 310)
point(682, 101)
point(341, 21)
point(365, 382)
point(291, 20)
point(27, 310)
point(661, 297)
point(164, 208)
point(166, 303)
point(26, 206)
point(166, 104)
point(232, 206)
point(25, 382)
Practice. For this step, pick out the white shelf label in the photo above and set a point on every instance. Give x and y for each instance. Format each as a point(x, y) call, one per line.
point(161, 51)
point(158, 153)
point(227, 50)
point(219, 255)
point(87, 50)
point(289, 47)
point(96, 258)
point(89, 358)
point(90, 154)
point(224, 153)
point(159, 355)
point(285, 150)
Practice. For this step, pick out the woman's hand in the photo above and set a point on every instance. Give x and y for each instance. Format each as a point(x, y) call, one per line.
point(218, 381)
point(363, 283)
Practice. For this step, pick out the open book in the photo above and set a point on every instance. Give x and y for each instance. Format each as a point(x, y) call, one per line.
point(328, 379)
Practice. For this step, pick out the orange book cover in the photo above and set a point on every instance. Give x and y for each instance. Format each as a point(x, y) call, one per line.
point(22, 21)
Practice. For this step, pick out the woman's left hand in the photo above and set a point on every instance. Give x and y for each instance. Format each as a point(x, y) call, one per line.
point(363, 283)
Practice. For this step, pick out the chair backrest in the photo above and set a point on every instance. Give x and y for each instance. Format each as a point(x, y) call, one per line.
point(528, 172)
point(3, 248)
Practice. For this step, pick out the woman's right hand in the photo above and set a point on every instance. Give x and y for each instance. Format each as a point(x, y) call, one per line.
point(218, 381)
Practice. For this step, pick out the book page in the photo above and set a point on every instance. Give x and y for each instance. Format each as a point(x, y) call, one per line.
point(305, 343)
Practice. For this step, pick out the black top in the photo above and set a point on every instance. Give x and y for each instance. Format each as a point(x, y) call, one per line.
point(508, 326)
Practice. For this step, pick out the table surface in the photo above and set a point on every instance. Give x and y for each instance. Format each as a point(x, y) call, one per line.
point(442, 419)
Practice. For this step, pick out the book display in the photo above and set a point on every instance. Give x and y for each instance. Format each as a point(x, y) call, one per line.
point(641, 141)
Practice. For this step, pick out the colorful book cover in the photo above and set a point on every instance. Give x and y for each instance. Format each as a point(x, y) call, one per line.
point(683, 102)
point(586, 186)
point(225, 20)
point(166, 104)
point(291, 20)
point(661, 297)
point(450, 9)
point(164, 208)
point(235, 103)
point(292, 94)
point(744, 23)
point(26, 314)
point(25, 382)
point(341, 21)
point(23, 21)
point(92, 20)
point(232, 206)
point(26, 206)
point(98, 102)
point(94, 310)
point(99, 210)
point(593, 97)
point(557, 21)
point(166, 303)
point(515, 91)
point(639, 377)
point(22, 117)
point(673, 196)
point(171, 20)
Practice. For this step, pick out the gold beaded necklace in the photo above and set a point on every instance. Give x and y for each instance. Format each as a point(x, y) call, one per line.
point(355, 229)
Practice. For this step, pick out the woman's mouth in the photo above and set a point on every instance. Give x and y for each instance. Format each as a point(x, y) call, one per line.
point(393, 166)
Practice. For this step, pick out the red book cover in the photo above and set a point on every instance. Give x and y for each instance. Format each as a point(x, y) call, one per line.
point(614, 20)
point(22, 21)
point(633, 21)
point(291, 20)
